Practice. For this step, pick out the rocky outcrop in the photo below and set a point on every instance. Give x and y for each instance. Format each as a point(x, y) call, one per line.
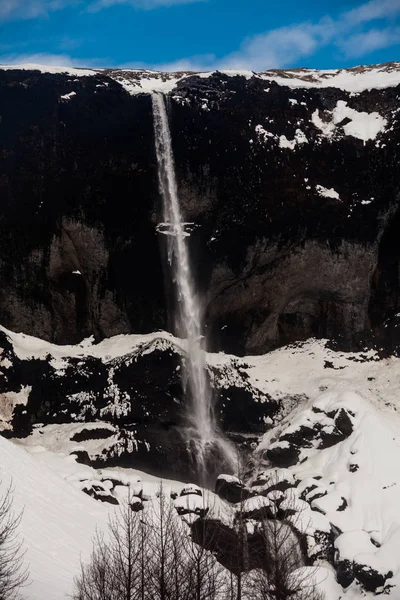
point(294, 201)
point(126, 395)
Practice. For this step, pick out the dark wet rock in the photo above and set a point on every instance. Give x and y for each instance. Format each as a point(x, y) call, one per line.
point(312, 492)
point(345, 572)
point(369, 578)
point(257, 508)
point(191, 489)
point(98, 433)
point(301, 437)
point(276, 261)
point(99, 491)
point(343, 505)
point(82, 456)
point(283, 454)
point(230, 488)
point(136, 504)
point(323, 548)
point(343, 422)
point(329, 437)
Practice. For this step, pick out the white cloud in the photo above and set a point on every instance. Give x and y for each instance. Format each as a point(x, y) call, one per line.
point(141, 4)
point(355, 33)
point(285, 46)
point(361, 44)
point(279, 46)
point(29, 9)
point(376, 9)
point(44, 58)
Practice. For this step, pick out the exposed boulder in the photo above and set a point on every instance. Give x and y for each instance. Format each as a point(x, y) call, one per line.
point(283, 454)
point(232, 489)
point(99, 491)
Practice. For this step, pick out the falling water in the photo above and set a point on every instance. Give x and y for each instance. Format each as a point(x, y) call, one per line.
point(205, 442)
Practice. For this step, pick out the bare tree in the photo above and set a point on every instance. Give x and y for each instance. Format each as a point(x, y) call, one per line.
point(13, 574)
point(149, 555)
point(282, 576)
point(116, 570)
point(207, 577)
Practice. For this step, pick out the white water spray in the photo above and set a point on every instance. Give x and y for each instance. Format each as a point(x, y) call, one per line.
point(204, 440)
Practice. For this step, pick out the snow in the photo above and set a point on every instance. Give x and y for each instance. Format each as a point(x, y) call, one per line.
point(57, 525)
point(364, 126)
point(323, 577)
point(60, 438)
point(354, 80)
point(68, 96)
point(49, 69)
point(327, 193)
point(263, 133)
point(351, 80)
point(229, 478)
point(299, 138)
point(26, 346)
point(59, 520)
point(255, 503)
point(361, 125)
point(327, 128)
point(372, 492)
point(294, 375)
point(191, 503)
point(8, 401)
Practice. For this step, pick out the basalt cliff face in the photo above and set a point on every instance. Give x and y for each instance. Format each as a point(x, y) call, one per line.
point(290, 181)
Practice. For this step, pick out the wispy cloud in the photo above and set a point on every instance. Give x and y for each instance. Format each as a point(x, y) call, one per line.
point(48, 59)
point(362, 44)
point(376, 9)
point(350, 34)
point(30, 9)
point(141, 4)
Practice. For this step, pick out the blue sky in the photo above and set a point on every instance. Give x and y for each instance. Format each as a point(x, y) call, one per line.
point(200, 34)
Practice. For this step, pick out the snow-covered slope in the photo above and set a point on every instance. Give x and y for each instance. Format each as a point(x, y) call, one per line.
point(356, 79)
point(57, 525)
point(354, 483)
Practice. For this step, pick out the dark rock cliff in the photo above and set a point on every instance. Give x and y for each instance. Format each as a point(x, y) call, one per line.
point(296, 215)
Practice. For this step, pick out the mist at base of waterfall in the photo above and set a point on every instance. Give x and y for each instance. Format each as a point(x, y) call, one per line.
point(210, 457)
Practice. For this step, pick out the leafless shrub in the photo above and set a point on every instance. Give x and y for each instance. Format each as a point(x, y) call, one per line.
point(13, 574)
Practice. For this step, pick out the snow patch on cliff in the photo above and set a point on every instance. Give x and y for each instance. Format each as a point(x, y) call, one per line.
point(299, 139)
point(327, 193)
point(68, 96)
point(361, 125)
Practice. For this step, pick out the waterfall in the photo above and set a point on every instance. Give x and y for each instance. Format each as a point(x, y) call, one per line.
point(204, 439)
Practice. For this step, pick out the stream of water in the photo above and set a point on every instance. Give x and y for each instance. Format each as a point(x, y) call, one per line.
point(204, 440)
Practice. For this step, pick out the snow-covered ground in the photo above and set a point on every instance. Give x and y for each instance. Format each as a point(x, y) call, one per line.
point(58, 520)
point(310, 380)
point(359, 477)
